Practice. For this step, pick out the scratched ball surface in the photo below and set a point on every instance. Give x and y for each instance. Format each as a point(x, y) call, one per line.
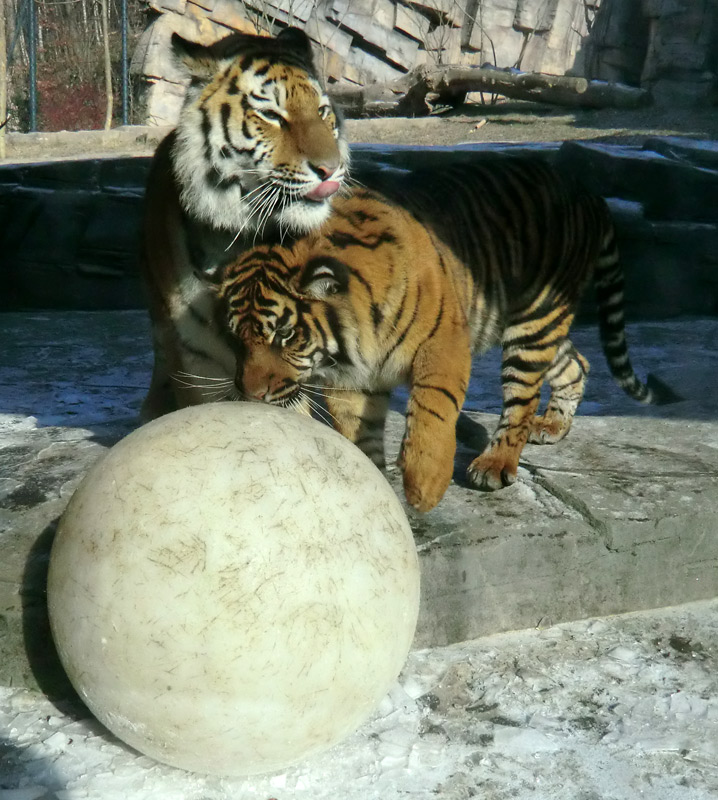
point(233, 588)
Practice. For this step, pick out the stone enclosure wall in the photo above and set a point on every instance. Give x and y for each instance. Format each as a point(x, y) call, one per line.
point(668, 46)
point(70, 229)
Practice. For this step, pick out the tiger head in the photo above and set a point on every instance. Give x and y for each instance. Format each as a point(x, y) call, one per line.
point(280, 312)
point(258, 140)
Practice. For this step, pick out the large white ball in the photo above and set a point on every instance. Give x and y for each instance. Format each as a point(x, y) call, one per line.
point(232, 588)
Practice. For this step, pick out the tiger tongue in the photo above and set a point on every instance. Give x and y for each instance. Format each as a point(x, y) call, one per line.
point(325, 189)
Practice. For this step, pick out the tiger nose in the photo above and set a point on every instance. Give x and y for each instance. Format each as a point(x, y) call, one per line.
point(325, 169)
point(257, 392)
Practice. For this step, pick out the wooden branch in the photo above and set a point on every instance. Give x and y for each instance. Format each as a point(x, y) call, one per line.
point(414, 94)
point(371, 100)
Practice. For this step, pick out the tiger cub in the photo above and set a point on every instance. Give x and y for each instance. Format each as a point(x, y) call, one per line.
point(258, 151)
point(495, 253)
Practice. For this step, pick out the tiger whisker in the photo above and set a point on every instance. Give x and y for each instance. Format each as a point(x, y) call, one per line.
point(288, 197)
point(325, 397)
point(258, 203)
point(351, 182)
point(264, 198)
point(282, 230)
point(320, 411)
point(297, 405)
point(253, 200)
point(261, 185)
point(279, 196)
point(218, 395)
point(258, 196)
point(200, 381)
point(185, 375)
point(326, 388)
point(182, 374)
point(187, 385)
point(266, 214)
point(316, 392)
point(326, 393)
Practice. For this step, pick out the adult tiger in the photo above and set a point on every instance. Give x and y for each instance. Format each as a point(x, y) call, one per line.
point(496, 252)
point(258, 151)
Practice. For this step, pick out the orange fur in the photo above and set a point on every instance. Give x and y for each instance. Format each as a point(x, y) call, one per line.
point(398, 307)
point(387, 293)
point(405, 286)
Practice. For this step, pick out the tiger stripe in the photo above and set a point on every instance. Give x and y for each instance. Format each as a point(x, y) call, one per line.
point(404, 282)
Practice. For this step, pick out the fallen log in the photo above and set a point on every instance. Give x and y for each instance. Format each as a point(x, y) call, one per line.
point(417, 93)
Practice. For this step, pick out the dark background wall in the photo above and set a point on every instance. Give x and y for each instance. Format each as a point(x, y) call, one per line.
point(69, 231)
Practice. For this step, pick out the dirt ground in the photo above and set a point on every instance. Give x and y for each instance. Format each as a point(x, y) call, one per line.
point(472, 123)
point(532, 122)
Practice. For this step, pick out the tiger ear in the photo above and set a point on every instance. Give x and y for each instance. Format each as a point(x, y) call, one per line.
point(298, 41)
point(323, 277)
point(204, 61)
point(201, 60)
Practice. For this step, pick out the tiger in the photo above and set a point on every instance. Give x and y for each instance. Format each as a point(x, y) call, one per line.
point(258, 152)
point(383, 294)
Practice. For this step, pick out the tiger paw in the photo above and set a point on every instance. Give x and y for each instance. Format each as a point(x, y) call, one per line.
point(423, 496)
point(488, 472)
point(545, 430)
point(425, 479)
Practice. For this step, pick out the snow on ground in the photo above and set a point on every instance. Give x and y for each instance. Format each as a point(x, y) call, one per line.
point(611, 709)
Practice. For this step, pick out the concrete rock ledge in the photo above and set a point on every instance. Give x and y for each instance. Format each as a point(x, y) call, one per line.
point(620, 516)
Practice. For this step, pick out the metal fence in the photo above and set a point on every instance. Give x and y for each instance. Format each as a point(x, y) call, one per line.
point(20, 41)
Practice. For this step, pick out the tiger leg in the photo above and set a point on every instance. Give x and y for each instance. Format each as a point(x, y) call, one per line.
point(360, 417)
point(192, 364)
point(184, 376)
point(440, 378)
point(567, 378)
point(529, 349)
point(160, 398)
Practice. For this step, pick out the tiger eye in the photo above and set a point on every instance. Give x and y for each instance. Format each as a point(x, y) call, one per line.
point(284, 336)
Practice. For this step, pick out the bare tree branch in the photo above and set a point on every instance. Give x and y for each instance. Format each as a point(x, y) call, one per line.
point(108, 64)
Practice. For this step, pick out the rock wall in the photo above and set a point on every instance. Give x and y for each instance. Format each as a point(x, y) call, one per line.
point(682, 55)
point(366, 41)
point(667, 46)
